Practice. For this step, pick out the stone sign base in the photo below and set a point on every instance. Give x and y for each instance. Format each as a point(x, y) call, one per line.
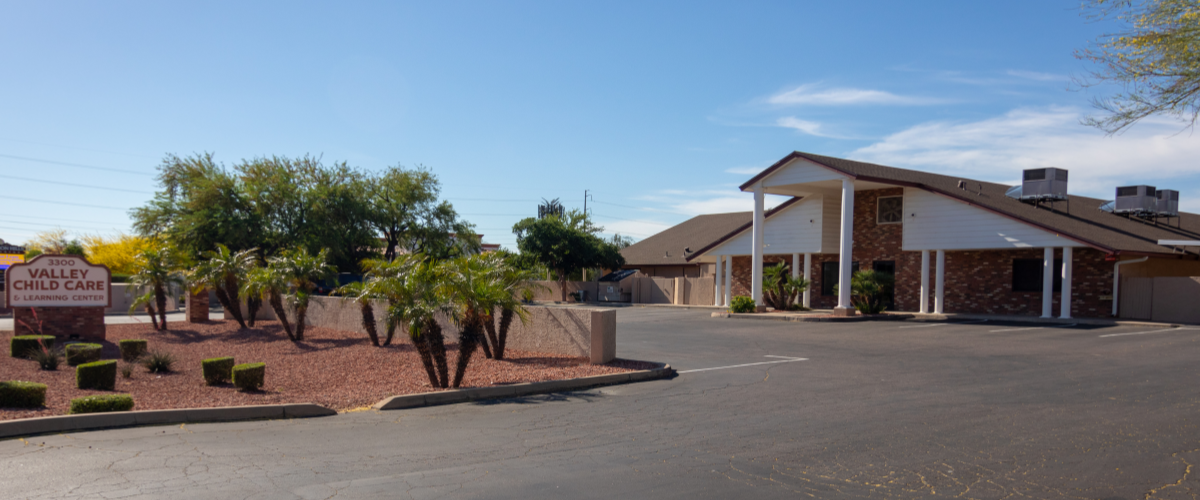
point(62, 322)
point(197, 307)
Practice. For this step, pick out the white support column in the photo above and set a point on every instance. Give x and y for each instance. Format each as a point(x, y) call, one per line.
point(808, 278)
point(1065, 312)
point(939, 284)
point(796, 269)
point(847, 243)
point(924, 281)
point(756, 253)
point(717, 274)
point(728, 280)
point(1048, 283)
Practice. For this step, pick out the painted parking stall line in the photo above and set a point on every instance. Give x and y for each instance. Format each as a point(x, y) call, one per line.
point(784, 359)
point(1148, 332)
point(932, 325)
point(1032, 328)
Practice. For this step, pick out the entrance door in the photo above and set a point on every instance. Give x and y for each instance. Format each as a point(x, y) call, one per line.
point(889, 293)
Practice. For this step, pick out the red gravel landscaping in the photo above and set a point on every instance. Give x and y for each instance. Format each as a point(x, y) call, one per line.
point(335, 369)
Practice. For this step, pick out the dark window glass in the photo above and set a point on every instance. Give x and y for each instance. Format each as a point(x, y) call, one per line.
point(891, 210)
point(829, 276)
point(887, 266)
point(1027, 275)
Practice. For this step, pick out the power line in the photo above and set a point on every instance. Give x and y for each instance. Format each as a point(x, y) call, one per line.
point(495, 199)
point(57, 218)
point(65, 203)
point(74, 147)
point(40, 224)
point(60, 183)
point(77, 165)
point(646, 209)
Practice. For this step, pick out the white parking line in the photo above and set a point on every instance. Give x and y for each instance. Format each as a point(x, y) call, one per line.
point(945, 324)
point(1032, 328)
point(784, 360)
point(1165, 330)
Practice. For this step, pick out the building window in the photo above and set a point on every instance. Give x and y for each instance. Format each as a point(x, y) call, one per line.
point(891, 210)
point(829, 276)
point(1027, 275)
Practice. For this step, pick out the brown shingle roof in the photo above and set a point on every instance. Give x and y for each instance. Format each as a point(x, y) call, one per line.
point(698, 233)
point(1080, 219)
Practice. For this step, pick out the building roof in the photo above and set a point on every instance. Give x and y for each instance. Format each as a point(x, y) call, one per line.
point(698, 233)
point(1079, 219)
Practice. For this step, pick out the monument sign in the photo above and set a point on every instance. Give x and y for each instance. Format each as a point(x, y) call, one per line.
point(68, 293)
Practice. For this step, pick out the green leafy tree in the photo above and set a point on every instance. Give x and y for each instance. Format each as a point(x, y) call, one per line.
point(270, 283)
point(156, 270)
point(566, 245)
point(304, 271)
point(406, 211)
point(1155, 59)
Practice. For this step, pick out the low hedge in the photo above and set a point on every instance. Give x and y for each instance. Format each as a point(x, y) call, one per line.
point(217, 370)
point(249, 376)
point(132, 349)
point(18, 394)
point(742, 304)
point(99, 375)
point(78, 354)
point(20, 345)
point(102, 403)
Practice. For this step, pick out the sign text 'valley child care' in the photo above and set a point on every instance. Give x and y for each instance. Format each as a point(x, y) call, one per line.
point(58, 281)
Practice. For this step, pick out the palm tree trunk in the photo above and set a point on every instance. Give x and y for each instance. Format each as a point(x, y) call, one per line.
point(277, 305)
point(562, 285)
point(153, 318)
point(421, 341)
point(391, 331)
point(368, 321)
point(301, 312)
point(235, 303)
point(160, 296)
point(223, 298)
point(437, 348)
point(253, 304)
point(506, 317)
point(490, 338)
point(468, 338)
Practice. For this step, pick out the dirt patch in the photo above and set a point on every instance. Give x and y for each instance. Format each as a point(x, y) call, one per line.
point(335, 369)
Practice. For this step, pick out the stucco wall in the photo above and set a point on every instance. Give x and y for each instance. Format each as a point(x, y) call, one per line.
point(123, 296)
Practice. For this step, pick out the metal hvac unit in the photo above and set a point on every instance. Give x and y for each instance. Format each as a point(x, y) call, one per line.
point(1136, 200)
point(1167, 202)
point(1044, 183)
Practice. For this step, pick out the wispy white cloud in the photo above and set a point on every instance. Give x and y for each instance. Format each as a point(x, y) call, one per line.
point(1035, 75)
point(813, 95)
point(997, 149)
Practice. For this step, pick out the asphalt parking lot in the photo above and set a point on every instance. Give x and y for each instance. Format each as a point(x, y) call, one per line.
point(760, 409)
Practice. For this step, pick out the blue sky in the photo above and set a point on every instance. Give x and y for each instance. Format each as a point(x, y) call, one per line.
point(660, 109)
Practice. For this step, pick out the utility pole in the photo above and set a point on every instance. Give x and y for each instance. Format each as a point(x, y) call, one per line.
point(585, 200)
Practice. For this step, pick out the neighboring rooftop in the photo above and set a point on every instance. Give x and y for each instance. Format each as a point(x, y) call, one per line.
point(669, 248)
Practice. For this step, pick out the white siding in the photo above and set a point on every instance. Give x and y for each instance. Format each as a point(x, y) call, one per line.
point(831, 236)
point(799, 171)
point(795, 230)
point(942, 223)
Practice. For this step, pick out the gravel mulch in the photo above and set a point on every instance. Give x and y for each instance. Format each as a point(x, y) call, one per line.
point(335, 369)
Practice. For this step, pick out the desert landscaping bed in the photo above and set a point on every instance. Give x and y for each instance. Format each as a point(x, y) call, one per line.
point(336, 369)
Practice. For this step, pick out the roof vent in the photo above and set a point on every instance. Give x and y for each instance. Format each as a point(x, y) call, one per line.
point(1167, 203)
point(1044, 184)
point(1136, 200)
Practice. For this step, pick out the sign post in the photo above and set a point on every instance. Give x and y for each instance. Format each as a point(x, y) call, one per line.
point(68, 294)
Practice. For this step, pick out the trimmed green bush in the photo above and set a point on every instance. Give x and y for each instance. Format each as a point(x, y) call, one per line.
point(249, 376)
point(217, 370)
point(21, 345)
point(18, 394)
point(102, 403)
point(99, 375)
point(78, 354)
point(132, 349)
point(742, 304)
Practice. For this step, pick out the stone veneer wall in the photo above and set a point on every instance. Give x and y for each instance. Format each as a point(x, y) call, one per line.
point(86, 322)
point(977, 282)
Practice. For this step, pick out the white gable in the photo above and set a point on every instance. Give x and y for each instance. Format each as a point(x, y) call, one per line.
point(801, 171)
point(797, 229)
point(936, 222)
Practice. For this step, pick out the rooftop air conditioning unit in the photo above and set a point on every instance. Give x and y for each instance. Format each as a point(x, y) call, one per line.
point(1167, 203)
point(1044, 183)
point(1136, 200)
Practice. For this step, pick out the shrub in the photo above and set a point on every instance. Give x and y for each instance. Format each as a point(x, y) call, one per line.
point(249, 376)
point(158, 361)
point(22, 346)
point(78, 354)
point(127, 370)
point(870, 290)
point(217, 370)
point(742, 304)
point(18, 394)
point(103, 403)
point(132, 349)
point(99, 375)
point(47, 358)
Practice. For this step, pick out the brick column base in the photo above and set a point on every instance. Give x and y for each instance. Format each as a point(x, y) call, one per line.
point(62, 322)
point(844, 311)
point(197, 307)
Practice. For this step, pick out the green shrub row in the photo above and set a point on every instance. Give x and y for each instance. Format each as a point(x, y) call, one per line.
point(249, 376)
point(98, 375)
point(102, 403)
point(217, 370)
point(742, 304)
point(18, 394)
point(78, 354)
point(132, 349)
point(21, 346)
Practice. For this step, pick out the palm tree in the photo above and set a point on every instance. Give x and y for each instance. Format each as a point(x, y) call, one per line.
point(868, 290)
point(270, 283)
point(512, 281)
point(383, 275)
point(364, 292)
point(472, 287)
point(303, 270)
point(155, 270)
point(780, 289)
point(222, 272)
point(416, 297)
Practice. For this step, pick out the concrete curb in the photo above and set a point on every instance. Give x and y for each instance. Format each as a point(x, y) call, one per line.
point(813, 317)
point(96, 421)
point(518, 390)
point(937, 318)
